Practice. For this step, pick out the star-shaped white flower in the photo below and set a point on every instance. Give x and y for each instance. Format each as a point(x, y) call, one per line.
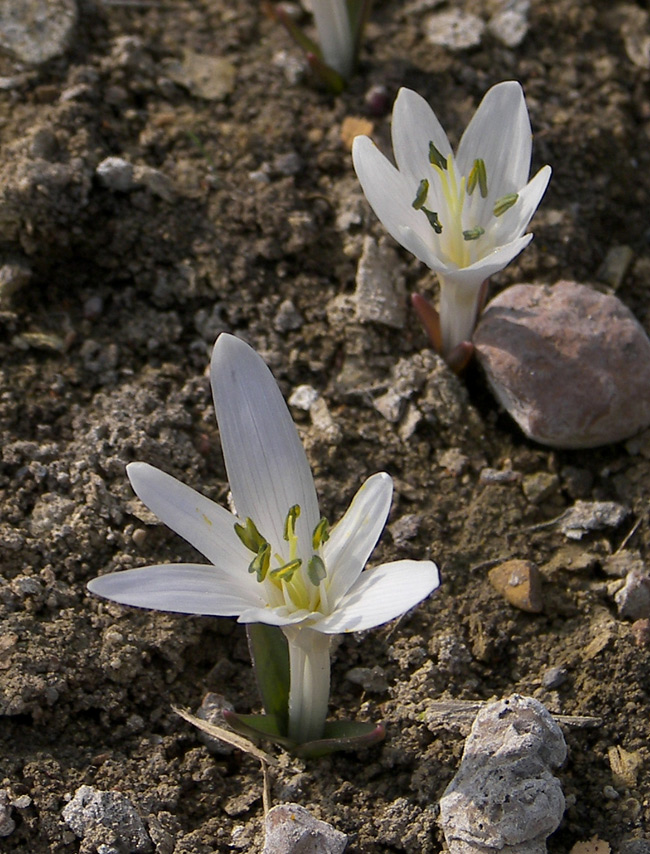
point(463, 215)
point(277, 561)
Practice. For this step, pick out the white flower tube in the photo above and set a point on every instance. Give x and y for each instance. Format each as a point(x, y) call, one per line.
point(276, 562)
point(335, 35)
point(462, 215)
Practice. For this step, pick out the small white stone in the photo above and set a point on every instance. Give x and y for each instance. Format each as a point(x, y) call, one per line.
point(455, 29)
point(303, 397)
point(116, 174)
point(291, 829)
point(379, 293)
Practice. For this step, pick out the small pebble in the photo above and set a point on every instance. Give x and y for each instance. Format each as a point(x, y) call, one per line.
point(13, 277)
point(287, 317)
point(291, 829)
point(211, 710)
point(641, 632)
point(208, 77)
point(615, 265)
point(379, 293)
point(405, 528)
point(622, 563)
point(115, 174)
point(371, 679)
point(633, 599)
point(139, 536)
point(35, 31)
point(303, 397)
point(539, 486)
point(553, 677)
point(7, 824)
point(569, 364)
point(454, 29)
point(520, 583)
point(510, 25)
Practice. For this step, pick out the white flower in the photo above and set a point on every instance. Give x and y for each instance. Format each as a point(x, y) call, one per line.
point(463, 215)
point(277, 561)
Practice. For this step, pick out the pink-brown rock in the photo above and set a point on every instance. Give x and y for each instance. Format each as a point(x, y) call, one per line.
point(571, 365)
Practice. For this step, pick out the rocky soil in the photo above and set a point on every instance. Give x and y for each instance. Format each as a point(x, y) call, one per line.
point(170, 170)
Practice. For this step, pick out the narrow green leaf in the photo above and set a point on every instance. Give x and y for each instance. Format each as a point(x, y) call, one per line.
point(342, 735)
point(259, 726)
point(270, 655)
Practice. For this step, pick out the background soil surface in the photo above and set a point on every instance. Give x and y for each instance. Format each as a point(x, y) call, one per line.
point(243, 213)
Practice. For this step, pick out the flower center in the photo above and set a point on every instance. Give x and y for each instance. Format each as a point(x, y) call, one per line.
point(460, 206)
point(288, 579)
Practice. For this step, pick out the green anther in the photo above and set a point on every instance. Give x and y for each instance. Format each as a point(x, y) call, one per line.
point(261, 562)
point(477, 175)
point(316, 570)
point(434, 222)
point(436, 158)
point(290, 522)
point(321, 533)
point(421, 195)
point(504, 203)
point(473, 233)
point(250, 536)
point(287, 570)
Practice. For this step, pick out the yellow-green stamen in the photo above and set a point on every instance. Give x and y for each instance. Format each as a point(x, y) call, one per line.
point(290, 523)
point(504, 203)
point(421, 195)
point(478, 175)
point(287, 570)
point(473, 233)
point(321, 533)
point(436, 158)
point(261, 562)
point(249, 535)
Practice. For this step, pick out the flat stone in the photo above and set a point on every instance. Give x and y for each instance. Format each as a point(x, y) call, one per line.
point(35, 31)
point(291, 829)
point(208, 77)
point(586, 516)
point(509, 25)
point(633, 599)
point(109, 817)
point(379, 291)
point(569, 364)
point(520, 583)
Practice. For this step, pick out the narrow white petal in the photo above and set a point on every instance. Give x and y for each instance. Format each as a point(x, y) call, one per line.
point(500, 134)
point(389, 192)
point(472, 277)
point(354, 537)
point(424, 248)
point(181, 588)
point(514, 222)
point(204, 524)
point(265, 460)
point(382, 594)
point(334, 34)
point(273, 616)
point(414, 126)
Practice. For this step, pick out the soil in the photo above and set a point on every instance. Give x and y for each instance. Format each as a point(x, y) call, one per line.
point(103, 354)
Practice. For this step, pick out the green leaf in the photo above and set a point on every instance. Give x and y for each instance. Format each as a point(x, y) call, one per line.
point(270, 655)
point(358, 12)
point(342, 735)
point(259, 726)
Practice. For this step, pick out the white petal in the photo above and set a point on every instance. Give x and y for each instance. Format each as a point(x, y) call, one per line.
point(424, 248)
point(334, 34)
point(204, 524)
point(354, 537)
point(265, 460)
point(514, 221)
point(273, 616)
point(500, 134)
point(382, 594)
point(472, 277)
point(181, 588)
point(389, 192)
point(414, 126)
